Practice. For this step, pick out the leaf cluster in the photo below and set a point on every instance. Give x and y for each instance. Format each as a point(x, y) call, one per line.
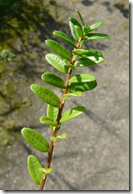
point(63, 61)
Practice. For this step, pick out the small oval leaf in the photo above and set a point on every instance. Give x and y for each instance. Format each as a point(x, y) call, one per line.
point(64, 37)
point(96, 25)
point(75, 28)
point(86, 29)
point(82, 87)
point(58, 48)
point(97, 36)
point(80, 78)
point(71, 94)
point(72, 113)
point(57, 63)
point(68, 64)
point(83, 62)
point(62, 136)
point(54, 80)
point(46, 171)
point(87, 52)
point(52, 113)
point(45, 94)
point(47, 121)
point(33, 167)
point(35, 139)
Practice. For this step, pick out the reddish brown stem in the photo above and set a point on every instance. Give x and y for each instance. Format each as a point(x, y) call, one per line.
point(57, 122)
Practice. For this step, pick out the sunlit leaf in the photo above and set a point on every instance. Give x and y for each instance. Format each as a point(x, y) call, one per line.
point(33, 167)
point(80, 78)
point(76, 29)
point(58, 48)
point(54, 80)
point(68, 64)
point(62, 136)
point(72, 113)
point(83, 62)
point(68, 95)
point(52, 113)
point(35, 139)
point(87, 53)
point(64, 37)
point(46, 171)
point(57, 63)
point(80, 17)
point(82, 87)
point(97, 36)
point(46, 95)
point(47, 121)
point(96, 25)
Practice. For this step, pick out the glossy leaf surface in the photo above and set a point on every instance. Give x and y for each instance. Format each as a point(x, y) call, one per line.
point(87, 52)
point(57, 63)
point(68, 95)
point(68, 64)
point(73, 23)
point(80, 78)
point(46, 171)
point(33, 166)
point(96, 25)
point(97, 36)
point(80, 17)
point(47, 121)
point(83, 62)
point(54, 80)
point(72, 113)
point(46, 95)
point(58, 48)
point(62, 136)
point(64, 37)
point(35, 139)
point(82, 87)
point(52, 113)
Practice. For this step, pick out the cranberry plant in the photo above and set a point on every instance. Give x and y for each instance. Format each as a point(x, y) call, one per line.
point(65, 62)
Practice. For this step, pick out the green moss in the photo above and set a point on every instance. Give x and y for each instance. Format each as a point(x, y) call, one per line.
point(126, 27)
point(4, 137)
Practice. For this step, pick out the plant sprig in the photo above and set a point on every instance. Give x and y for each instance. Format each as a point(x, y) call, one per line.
point(64, 62)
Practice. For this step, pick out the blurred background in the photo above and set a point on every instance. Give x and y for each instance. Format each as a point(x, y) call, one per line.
point(95, 155)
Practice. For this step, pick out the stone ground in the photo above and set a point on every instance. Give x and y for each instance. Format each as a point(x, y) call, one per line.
point(95, 155)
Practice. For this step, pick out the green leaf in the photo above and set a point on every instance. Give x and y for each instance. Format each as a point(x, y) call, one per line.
point(54, 80)
point(72, 113)
point(57, 63)
point(80, 17)
point(71, 94)
point(64, 37)
point(80, 78)
point(96, 25)
point(68, 64)
point(83, 62)
point(97, 36)
point(74, 27)
point(35, 139)
point(33, 167)
point(82, 87)
point(46, 171)
point(86, 29)
point(52, 113)
point(59, 49)
point(87, 52)
point(47, 121)
point(45, 94)
point(62, 136)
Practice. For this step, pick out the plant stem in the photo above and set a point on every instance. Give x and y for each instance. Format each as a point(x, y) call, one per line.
point(57, 122)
